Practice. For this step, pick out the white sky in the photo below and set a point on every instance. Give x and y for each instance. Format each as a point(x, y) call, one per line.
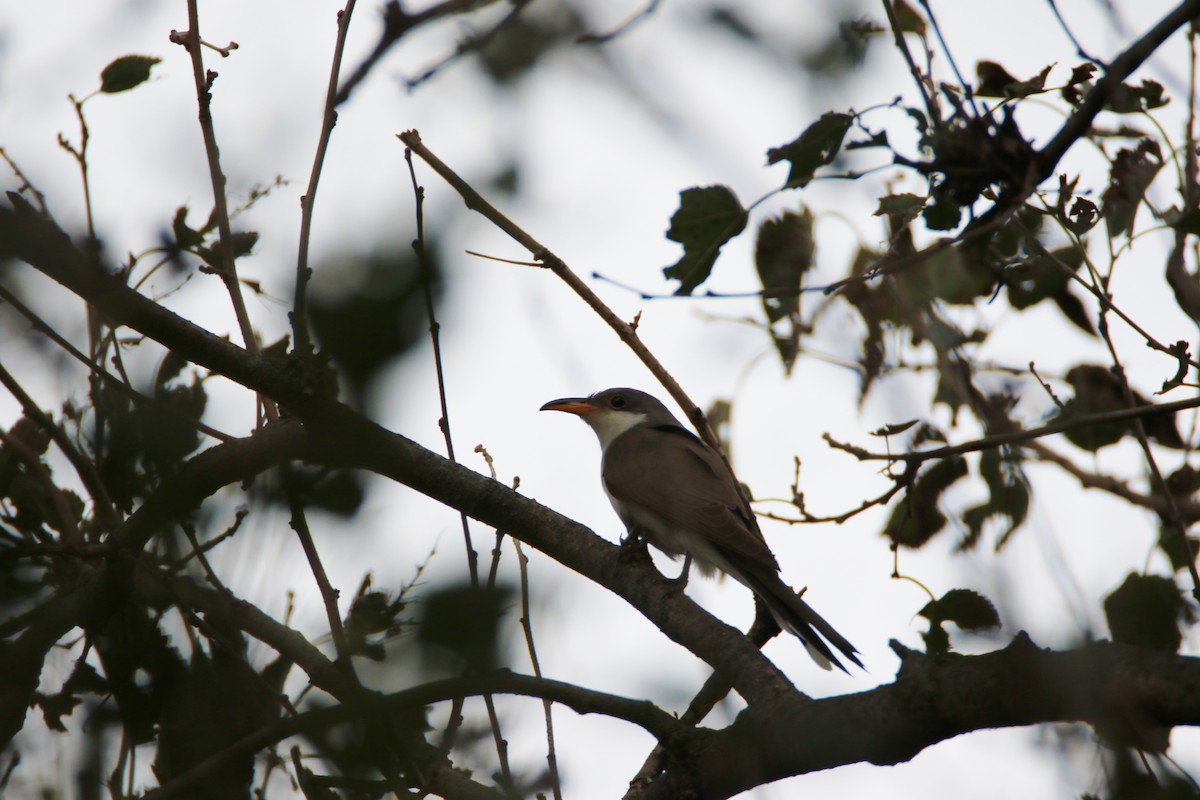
point(600, 178)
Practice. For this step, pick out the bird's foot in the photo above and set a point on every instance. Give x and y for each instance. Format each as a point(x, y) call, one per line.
point(682, 580)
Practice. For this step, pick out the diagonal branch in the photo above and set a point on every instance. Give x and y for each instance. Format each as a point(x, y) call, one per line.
point(339, 436)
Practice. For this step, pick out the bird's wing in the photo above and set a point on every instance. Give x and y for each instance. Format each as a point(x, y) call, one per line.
point(667, 469)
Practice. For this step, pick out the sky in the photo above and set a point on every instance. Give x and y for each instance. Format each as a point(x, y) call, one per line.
point(606, 138)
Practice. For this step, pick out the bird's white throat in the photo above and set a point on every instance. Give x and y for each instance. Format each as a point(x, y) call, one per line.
point(608, 425)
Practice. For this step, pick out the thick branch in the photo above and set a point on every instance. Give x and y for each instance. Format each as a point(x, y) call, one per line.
point(1132, 695)
point(338, 436)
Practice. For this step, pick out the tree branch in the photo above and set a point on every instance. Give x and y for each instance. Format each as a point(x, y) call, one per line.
point(339, 436)
point(1132, 695)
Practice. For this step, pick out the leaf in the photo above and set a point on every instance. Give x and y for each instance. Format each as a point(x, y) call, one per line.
point(1042, 276)
point(338, 491)
point(1082, 73)
point(908, 18)
point(894, 428)
point(782, 254)
point(1187, 222)
point(1008, 498)
point(943, 214)
point(1127, 99)
point(464, 622)
point(126, 72)
point(995, 81)
point(242, 242)
point(1083, 216)
point(1097, 391)
point(917, 518)
point(185, 237)
point(370, 315)
point(874, 140)
point(1145, 611)
point(1132, 173)
point(969, 610)
point(707, 218)
point(813, 149)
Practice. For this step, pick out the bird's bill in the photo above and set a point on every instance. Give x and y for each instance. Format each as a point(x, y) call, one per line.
point(580, 406)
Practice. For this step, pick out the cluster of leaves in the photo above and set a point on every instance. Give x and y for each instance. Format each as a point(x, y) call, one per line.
point(970, 154)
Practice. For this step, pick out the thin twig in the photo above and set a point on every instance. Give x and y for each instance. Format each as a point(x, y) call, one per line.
point(191, 42)
point(300, 336)
point(1062, 23)
point(472, 43)
point(1019, 436)
point(927, 97)
point(418, 246)
point(937, 31)
point(38, 197)
point(396, 24)
point(505, 777)
point(626, 332)
point(622, 29)
point(329, 595)
point(527, 627)
point(1173, 519)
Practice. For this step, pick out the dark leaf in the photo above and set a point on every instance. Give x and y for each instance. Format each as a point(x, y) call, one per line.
point(367, 319)
point(992, 79)
point(1008, 498)
point(1075, 311)
point(464, 622)
point(169, 436)
point(1082, 73)
point(782, 254)
point(879, 139)
point(707, 218)
point(126, 72)
point(1188, 222)
point(908, 18)
point(522, 41)
point(895, 428)
point(1127, 99)
point(1098, 391)
point(243, 242)
point(1043, 276)
point(995, 81)
point(916, 519)
point(1181, 553)
point(813, 149)
point(54, 707)
point(214, 701)
point(927, 433)
point(969, 610)
point(1145, 611)
point(943, 214)
point(185, 237)
point(1083, 216)
point(1132, 173)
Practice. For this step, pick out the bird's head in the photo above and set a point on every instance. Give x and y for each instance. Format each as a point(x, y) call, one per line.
point(614, 411)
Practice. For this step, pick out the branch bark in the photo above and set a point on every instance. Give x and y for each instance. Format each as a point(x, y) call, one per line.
point(1133, 696)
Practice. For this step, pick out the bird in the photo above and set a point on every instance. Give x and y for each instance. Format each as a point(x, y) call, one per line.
point(673, 491)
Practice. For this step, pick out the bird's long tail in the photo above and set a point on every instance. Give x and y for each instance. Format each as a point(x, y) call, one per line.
point(798, 617)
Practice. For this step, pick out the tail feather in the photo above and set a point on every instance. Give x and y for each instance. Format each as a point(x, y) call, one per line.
point(798, 617)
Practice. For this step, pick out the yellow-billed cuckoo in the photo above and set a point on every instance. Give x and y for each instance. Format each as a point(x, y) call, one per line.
point(675, 492)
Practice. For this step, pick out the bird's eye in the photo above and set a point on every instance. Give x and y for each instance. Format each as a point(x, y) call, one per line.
point(618, 401)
